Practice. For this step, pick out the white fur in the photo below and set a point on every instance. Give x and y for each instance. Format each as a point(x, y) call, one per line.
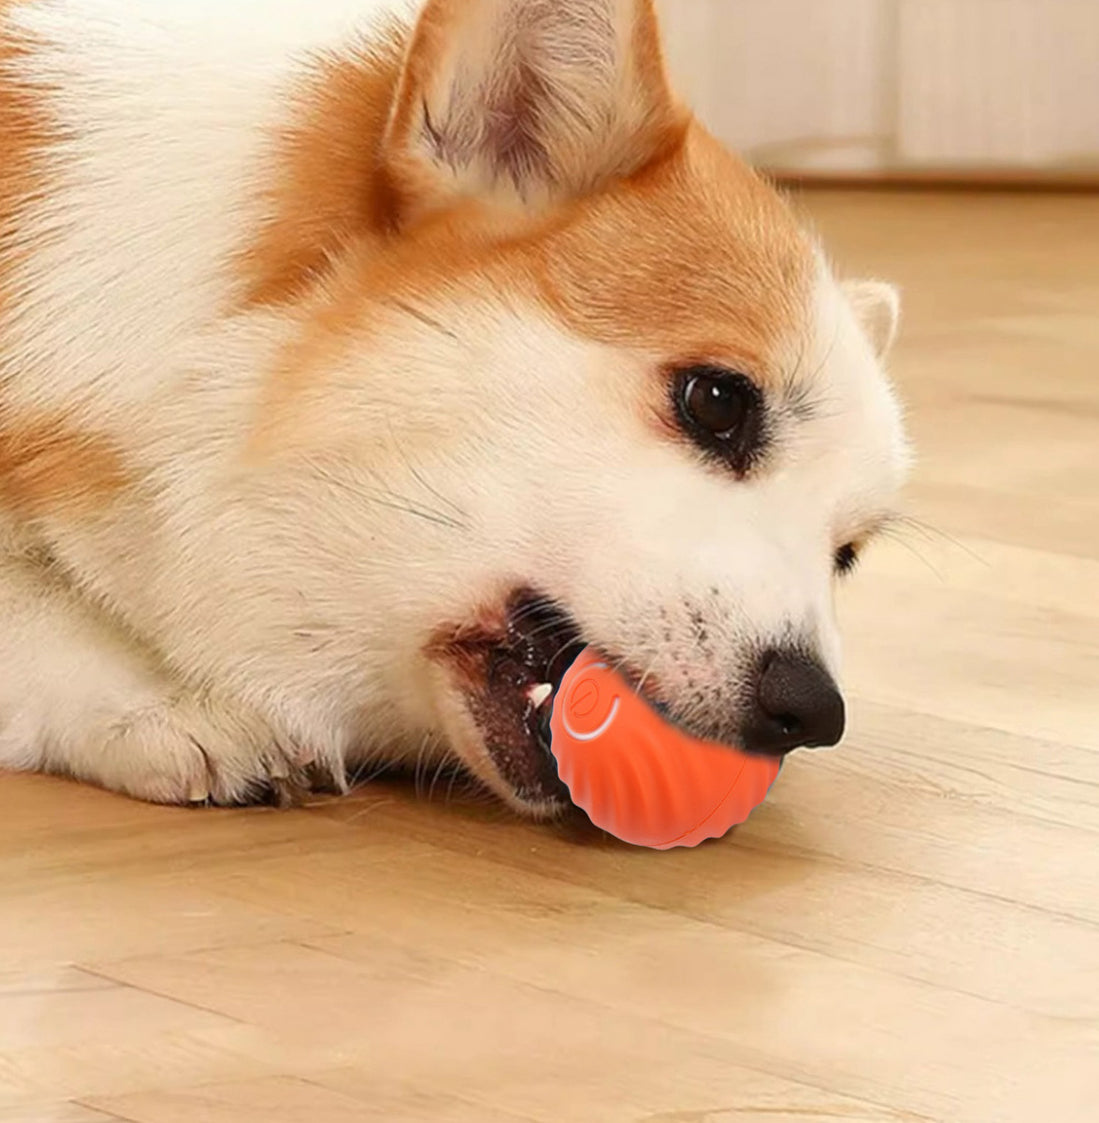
point(170, 104)
point(216, 629)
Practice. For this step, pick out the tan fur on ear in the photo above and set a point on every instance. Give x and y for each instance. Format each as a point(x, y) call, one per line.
point(529, 100)
point(878, 307)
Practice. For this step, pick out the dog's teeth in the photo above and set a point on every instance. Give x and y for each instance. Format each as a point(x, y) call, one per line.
point(540, 695)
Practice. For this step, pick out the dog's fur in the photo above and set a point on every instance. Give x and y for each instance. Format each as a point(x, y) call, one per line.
point(325, 325)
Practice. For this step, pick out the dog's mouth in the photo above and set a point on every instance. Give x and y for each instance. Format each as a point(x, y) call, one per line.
point(510, 674)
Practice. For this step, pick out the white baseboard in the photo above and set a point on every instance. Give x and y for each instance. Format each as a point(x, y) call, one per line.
point(895, 85)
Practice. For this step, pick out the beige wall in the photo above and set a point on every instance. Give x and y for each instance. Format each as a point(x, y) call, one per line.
point(865, 84)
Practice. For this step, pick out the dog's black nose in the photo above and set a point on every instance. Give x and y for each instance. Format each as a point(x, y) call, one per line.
point(796, 705)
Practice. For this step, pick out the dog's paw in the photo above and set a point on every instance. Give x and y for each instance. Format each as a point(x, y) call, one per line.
point(192, 751)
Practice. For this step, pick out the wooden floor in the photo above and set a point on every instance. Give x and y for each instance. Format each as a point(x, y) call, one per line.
point(907, 930)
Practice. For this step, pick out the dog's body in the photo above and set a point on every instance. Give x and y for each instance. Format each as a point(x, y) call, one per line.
point(337, 338)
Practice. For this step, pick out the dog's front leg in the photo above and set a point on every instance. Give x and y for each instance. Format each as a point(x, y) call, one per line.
point(77, 697)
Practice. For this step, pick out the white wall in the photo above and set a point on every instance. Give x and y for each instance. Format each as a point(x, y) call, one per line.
point(894, 84)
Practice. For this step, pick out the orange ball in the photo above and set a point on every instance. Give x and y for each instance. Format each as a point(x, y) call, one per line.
point(640, 778)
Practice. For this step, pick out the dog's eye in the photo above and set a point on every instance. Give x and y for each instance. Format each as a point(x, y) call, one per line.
point(847, 558)
point(717, 401)
point(722, 412)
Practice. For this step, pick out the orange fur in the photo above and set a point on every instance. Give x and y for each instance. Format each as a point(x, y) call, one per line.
point(327, 183)
point(693, 259)
point(47, 465)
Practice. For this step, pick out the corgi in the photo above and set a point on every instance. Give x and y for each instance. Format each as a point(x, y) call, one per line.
point(363, 360)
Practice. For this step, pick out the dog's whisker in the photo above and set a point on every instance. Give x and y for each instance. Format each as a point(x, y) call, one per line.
point(901, 540)
point(419, 477)
point(811, 379)
point(392, 493)
point(422, 317)
point(803, 350)
point(468, 786)
point(543, 629)
point(426, 516)
point(386, 497)
point(537, 607)
point(561, 651)
point(443, 765)
point(928, 531)
point(645, 677)
point(373, 771)
point(421, 760)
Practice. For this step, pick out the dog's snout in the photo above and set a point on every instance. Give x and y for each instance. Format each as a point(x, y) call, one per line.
point(796, 705)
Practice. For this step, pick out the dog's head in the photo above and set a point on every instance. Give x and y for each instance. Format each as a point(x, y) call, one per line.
point(589, 382)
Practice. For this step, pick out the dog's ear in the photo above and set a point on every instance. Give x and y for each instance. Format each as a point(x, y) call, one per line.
point(527, 101)
point(878, 308)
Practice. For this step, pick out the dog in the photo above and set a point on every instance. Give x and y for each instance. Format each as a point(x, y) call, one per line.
point(361, 361)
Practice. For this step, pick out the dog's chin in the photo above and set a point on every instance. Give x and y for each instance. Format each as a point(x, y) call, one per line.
point(502, 675)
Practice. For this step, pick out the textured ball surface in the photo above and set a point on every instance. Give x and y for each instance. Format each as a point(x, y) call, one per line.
point(641, 779)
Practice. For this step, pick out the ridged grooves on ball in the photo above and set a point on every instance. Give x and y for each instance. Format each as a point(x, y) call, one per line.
point(644, 780)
